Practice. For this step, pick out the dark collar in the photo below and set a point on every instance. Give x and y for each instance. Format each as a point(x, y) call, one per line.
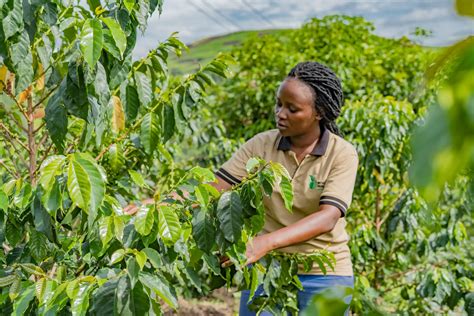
point(318, 150)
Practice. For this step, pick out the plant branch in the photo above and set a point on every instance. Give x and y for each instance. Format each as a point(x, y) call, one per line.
point(31, 141)
point(17, 123)
point(11, 137)
point(22, 110)
point(45, 97)
point(43, 158)
point(16, 150)
point(15, 172)
point(39, 127)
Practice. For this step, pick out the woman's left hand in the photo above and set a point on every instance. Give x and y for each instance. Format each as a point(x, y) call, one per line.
point(258, 247)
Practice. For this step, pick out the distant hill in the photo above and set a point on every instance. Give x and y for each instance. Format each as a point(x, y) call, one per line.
point(202, 51)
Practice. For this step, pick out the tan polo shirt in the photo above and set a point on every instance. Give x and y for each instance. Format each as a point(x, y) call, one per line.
point(326, 176)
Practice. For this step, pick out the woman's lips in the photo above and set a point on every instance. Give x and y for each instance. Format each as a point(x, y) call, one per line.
point(280, 125)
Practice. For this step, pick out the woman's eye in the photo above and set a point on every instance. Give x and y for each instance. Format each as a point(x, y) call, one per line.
point(293, 110)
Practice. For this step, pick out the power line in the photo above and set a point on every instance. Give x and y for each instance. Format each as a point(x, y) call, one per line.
point(208, 15)
point(222, 15)
point(257, 12)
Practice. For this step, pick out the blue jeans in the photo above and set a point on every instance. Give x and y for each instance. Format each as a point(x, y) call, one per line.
point(312, 284)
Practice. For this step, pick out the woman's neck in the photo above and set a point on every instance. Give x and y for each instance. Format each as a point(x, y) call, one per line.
point(302, 142)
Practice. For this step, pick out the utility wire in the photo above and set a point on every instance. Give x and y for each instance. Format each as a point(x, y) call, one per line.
point(222, 15)
point(209, 16)
point(257, 12)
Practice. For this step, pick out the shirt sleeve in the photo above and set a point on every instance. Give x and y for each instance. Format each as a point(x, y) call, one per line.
point(339, 185)
point(233, 170)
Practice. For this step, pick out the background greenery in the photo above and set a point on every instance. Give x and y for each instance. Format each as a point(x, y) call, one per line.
point(86, 130)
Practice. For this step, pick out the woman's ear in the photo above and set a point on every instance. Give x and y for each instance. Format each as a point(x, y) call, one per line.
point(318, 116)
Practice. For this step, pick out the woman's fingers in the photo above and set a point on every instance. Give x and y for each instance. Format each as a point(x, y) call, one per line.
point(130, 209)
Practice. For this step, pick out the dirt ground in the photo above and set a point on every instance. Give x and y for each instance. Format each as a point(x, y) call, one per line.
point(221, 302)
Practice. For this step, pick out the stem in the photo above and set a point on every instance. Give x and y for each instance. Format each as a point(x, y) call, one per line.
point(377, 211)
point(40, 162)
point(45, 97)
point(11, 137)
point(15, 172)
point(22, 110)
point(377, 227)
point(18, 168)
point(31, 142)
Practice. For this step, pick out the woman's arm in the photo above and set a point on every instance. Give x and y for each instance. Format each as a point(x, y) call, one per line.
point(305, 229)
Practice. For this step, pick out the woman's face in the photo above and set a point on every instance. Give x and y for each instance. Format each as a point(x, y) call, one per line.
point(294, 110)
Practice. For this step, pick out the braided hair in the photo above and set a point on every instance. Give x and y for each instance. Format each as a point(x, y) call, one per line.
point(327, 88)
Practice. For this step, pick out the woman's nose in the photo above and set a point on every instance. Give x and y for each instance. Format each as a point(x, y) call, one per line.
point(280, 113)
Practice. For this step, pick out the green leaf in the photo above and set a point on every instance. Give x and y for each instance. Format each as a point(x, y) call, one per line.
point(150, 132)
point(21, 304)
point(252, 164)
point(287, 193)
point(56, 118)
point(22, 60)
point(118, 228)
point(132, 270)
point(40, 287)
point(103, 299)
point(22, 198)
point(50, 168)
point(52, 200)
point(254, 283)
point(38, 245)
point(229, 213)
point(92, 177)
point(142, 13)
point(3, 200)
point(204, 231)
point(130, 301)
point(168, 123)
point(15, 288)
point(202, 174)
point(202, 195)
point(132, 103)
point(117, 256)
point(137, 178)
point(91, 41)
point(93, 4)
point(115, 157)
point(109, 44)
point(160, 287)
point(80, 302)
point(12, 21)
point(42, 219)
point(32, 269)
point(168, 224)
point(78, 184)
point(7, 280)
point(117, 33)
point(144, 90)
point(154, 257)
point(129, 4)
point(141, 259)
point(106, 229)
point(144, 219)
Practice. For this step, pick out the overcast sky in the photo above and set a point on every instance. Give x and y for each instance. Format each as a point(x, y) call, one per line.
point(197, 19)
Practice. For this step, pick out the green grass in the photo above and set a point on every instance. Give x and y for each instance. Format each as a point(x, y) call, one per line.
point(202, 51)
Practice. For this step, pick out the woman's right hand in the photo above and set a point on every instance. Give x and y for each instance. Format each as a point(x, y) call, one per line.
point(131, 209)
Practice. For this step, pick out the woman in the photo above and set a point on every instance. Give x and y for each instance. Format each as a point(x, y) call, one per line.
point(323, 168)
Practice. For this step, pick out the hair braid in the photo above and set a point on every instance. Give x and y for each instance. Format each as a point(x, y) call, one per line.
point(327, 88)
